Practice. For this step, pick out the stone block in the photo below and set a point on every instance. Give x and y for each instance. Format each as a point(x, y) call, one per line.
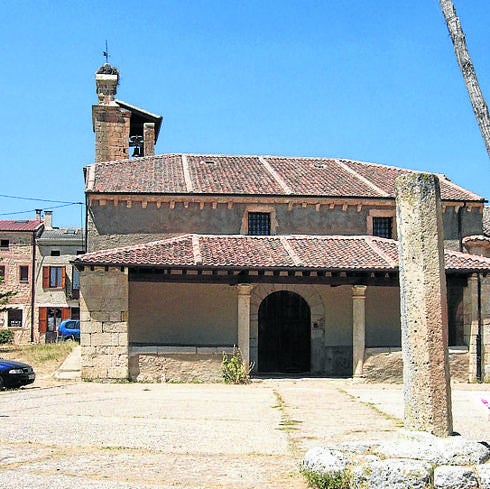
point(115, 327)
point(392, 473)
point(118, 373)
point(483, 474)
point(324, 460)
point(451, 477)
point(101, 339)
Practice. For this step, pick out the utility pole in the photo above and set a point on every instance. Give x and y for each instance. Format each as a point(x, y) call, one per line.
point(480, 107)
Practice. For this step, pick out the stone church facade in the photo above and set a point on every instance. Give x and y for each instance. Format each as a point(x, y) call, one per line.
point(294, 260)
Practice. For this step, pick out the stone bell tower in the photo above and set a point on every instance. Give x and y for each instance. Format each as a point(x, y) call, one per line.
point(119, 125)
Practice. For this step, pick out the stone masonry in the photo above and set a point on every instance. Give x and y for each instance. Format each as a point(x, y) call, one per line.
point(104, 330)
point(423, 300)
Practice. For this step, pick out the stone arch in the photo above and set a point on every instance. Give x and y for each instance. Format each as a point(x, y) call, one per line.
point(317, 319)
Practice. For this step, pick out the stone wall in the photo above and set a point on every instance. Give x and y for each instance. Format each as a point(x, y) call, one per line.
point(111, 225)
point(104, 330)
point(386, 365)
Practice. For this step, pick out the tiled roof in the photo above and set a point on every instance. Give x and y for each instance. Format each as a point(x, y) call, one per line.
point(20, 225)
point(329, 253)
point(62, 234)
point(254, 175)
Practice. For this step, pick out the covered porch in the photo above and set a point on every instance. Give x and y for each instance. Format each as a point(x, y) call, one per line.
point(172, 305)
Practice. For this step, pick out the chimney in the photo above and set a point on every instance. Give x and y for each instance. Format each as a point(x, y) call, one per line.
point(48, 219)
point(38, 215)
point(149, 138)
point(110, 122)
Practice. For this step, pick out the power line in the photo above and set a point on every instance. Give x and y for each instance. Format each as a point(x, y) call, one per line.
point(33, 210)
point(40, 200)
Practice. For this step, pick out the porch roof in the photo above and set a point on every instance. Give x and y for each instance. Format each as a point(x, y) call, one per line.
point(294, 252)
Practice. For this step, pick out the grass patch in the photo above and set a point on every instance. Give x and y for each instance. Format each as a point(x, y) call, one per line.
point(335, 480)
point(42, 357)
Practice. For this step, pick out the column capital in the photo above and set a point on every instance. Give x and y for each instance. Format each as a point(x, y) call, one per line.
point(359, 291)
point(244, 289)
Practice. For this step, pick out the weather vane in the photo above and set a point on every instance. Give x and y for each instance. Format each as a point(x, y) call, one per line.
point(106, 53)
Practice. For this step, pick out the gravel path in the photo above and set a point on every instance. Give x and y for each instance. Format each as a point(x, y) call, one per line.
point(88, 435)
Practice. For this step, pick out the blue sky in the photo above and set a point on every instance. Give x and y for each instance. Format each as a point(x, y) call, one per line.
point(368, 80)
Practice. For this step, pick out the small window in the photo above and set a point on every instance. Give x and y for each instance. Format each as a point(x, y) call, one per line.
point(259, 223)
point(383, 227)
point(80, 252)
point(55, 252)
point(75, 281)
point(54, 277)
point(2, 273)
point(24, 274)
point(14, 318)
point(4, 244)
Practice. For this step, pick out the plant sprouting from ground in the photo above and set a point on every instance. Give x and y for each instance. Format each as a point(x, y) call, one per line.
point(234, 369)
point(335, 480)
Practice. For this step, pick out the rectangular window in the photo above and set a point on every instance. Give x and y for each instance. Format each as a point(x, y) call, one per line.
point(383, 227)
point(24, 274)
point(2, 273)
point(259, 223)
point(50, 318)
point(4, 244)
point(54, 277)
point(15, 318)
point(55, 252)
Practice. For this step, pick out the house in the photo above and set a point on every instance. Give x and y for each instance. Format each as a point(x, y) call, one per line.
point(292, 259)
point(57, 281)
point(35, 264)
point(17, 267)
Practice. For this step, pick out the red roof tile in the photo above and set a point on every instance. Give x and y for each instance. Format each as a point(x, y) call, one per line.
point(20, 225)
point(329, 253)
point(254, 175)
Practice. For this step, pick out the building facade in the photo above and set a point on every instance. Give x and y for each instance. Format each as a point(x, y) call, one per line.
point(36, 265)
point(292, 259)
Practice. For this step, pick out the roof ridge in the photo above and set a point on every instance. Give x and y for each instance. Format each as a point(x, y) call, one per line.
point(275, 175)
point(289, 250)
point(187, 174)
point(361, 178)
point(371, 242)
point(196, 249)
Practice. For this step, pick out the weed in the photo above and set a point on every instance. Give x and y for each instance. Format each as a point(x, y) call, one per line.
point(332, 480)
point(234, 369)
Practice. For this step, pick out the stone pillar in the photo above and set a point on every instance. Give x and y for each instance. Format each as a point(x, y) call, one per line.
point(470, 304)
point(423, 297)
point(485, 326)
point(148, 139)
point(104, 324)
point(358, 329)
point(244, 291)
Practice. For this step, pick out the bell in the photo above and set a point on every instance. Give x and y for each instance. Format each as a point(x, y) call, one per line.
point(137, 152)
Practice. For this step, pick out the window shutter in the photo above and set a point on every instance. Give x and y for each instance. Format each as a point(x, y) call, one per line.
point(65, 313)
point(43, 317)
point(63, 277)
point(45, 277)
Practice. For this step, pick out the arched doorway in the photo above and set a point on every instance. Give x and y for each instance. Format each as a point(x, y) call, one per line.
point(284, 333)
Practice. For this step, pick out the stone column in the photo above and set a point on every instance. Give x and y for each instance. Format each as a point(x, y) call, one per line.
point(244, 291)
point(358, 328)
point(470, 301)
point(423, 300)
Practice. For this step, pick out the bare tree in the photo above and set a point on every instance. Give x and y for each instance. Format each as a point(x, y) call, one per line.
point(480, 107)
